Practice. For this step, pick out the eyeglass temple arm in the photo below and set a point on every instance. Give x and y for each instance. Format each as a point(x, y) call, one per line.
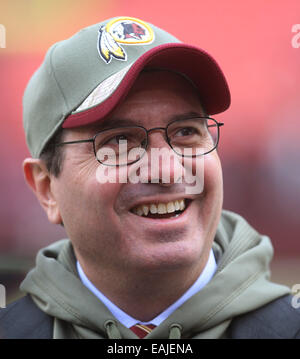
point(71, 142)
point(219, 124)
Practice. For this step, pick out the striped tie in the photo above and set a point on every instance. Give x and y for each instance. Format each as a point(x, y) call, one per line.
point(141, 330)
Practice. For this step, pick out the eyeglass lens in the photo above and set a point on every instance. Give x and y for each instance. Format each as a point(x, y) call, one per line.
point(125, 145)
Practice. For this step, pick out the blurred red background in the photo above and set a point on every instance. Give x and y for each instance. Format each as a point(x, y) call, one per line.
point(260, 147)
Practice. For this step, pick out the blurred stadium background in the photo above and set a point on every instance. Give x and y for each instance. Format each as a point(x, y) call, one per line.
point(260, 146)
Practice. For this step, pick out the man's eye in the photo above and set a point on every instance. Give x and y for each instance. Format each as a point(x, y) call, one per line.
point(186, 131)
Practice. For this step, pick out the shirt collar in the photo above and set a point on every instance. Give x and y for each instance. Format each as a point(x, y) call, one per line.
point(129, 321)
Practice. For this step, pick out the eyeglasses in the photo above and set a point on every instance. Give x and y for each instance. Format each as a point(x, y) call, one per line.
point(126, 145)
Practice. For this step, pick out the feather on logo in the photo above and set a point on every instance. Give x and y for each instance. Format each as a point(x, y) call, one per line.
point(108, 47)
point(124, 30)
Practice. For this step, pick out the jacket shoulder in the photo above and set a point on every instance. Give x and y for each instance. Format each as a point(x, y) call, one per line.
point(276, 320)
point(22, 319)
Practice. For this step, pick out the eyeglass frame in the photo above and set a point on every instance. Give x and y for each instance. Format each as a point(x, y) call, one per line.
point(165, 129)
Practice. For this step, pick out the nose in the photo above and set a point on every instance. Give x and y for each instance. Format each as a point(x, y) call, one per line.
point(157, 138)
point(164, 166)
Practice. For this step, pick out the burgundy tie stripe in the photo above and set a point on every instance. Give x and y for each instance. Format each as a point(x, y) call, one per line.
point(141, 330)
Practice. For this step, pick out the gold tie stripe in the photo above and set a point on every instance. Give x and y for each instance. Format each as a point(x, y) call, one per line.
point(141, 330)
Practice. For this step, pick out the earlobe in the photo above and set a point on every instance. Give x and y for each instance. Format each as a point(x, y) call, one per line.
point(39, 180)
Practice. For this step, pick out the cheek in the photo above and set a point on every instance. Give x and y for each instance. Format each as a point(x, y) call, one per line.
point(82, 198)
point(213, 178)
point(211, 200)
point(213, 192)
point(88, 214)
point(207, 172)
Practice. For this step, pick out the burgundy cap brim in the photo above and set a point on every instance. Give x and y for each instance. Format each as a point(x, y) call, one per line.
point(189, 60)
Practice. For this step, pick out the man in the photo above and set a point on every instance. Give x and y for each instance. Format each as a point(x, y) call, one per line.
point(148, 254)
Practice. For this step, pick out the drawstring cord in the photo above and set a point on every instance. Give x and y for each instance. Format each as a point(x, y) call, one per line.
point(112, 330)
point(175, 331)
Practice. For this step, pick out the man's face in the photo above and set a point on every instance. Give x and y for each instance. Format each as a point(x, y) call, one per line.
point(100, 219)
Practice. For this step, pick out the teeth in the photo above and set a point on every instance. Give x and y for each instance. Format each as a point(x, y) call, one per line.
point(145, 210)
point(170, 207)
point(153, 208)
point(181, 204)
point(139, 211)
point(177, 206)
point(160, 208)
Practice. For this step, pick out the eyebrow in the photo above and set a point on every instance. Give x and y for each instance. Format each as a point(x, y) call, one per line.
point(121, 122)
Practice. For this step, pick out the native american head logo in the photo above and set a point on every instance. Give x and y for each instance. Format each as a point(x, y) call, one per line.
point(123, 30)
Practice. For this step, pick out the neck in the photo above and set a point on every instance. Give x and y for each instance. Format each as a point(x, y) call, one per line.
point(131, 291)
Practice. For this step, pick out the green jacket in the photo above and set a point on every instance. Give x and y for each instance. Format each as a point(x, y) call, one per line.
point(241, 284)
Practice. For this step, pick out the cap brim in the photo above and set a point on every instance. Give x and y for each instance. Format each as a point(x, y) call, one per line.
point(189, 60)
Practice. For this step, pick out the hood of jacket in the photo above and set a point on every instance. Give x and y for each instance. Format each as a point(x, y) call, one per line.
point(240, 284)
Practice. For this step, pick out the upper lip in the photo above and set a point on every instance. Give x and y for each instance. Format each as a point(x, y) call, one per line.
point(160, 199)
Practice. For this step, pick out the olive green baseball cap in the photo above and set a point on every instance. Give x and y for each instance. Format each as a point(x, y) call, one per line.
point(82, 79)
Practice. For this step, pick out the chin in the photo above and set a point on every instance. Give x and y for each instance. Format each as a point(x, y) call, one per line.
point(170, 255)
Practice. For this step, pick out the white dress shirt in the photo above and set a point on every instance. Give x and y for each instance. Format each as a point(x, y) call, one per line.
point(129, 321)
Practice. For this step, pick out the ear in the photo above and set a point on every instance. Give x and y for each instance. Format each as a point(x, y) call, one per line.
point(39, 180)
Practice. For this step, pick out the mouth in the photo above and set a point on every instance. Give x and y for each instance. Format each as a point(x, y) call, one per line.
point(162, 210)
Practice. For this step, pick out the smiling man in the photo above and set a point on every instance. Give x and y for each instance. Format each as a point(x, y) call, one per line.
point(144, 258)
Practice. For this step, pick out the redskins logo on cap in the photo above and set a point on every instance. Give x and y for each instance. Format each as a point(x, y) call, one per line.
point(123, 30)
